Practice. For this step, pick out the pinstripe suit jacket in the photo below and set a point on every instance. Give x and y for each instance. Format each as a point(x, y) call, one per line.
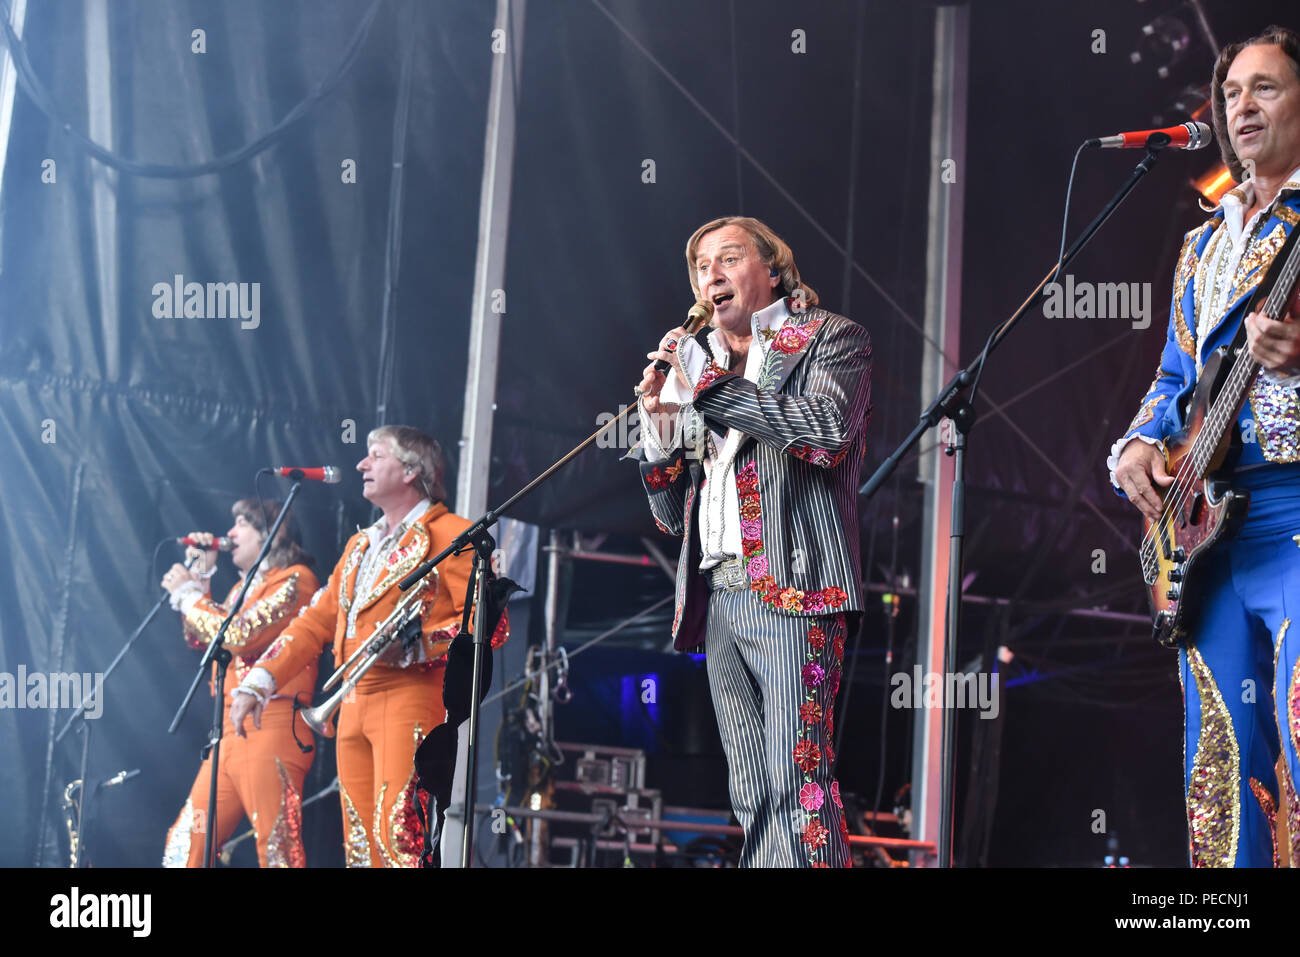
point(797, 470)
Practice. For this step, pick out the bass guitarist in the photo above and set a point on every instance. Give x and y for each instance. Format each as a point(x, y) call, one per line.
point(1238, 667)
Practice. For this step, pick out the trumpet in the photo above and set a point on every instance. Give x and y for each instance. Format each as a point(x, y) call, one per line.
point(408, 609)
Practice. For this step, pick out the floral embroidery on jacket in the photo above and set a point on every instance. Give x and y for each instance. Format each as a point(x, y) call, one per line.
point(819, 457)
point(756, 564)
point(661, 477)
point(656, 478)
point(794, 338)
point(712, 373)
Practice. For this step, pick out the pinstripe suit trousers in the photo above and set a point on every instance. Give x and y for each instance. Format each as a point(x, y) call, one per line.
point(773, 679)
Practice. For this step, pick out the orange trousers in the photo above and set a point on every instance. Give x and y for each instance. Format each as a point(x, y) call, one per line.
point(380, 725)
point(259, 776)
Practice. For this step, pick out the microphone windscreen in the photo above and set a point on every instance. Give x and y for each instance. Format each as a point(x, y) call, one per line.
point(699, 315)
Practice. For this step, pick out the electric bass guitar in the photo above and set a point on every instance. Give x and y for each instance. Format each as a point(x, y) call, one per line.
point(1201, 508)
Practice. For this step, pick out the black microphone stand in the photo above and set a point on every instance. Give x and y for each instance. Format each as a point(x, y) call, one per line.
point(951, 403)
point(216, 651)
point(87, 793)
point(477, 537)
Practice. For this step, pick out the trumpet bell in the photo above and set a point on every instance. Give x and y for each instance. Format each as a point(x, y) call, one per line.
point(407, 610)
point(318, 718)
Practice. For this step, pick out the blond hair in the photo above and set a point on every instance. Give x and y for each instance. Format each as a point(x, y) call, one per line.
point(772, 249)
point(419, 452)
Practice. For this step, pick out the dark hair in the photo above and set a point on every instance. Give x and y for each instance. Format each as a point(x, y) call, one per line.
point(1289, 41)
point(287, 549)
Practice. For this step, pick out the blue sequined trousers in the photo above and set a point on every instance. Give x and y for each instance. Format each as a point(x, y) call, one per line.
point(1241, 688)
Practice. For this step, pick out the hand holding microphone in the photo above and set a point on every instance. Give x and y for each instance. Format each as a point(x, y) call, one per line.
point(200, 556)
point(208, 542)
point(655, 375)
point(696, 319)
point(201, 553)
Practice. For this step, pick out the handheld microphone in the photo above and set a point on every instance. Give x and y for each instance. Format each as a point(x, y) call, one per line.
point(1185, 136)
point(329, 474)
point(696, 318)
point(219, 544)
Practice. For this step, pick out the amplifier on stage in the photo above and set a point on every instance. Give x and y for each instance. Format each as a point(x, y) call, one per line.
point(619, 768)
point(608, 782)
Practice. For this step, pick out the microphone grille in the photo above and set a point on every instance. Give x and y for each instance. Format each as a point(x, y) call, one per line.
point(699, 315)
point(333, 475)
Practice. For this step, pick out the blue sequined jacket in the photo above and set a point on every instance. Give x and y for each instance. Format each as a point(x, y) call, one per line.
point(1270, 420)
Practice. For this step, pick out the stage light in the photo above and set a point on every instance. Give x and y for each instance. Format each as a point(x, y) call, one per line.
point(1191, 103)
point(1164, 42)
point(1212, 185)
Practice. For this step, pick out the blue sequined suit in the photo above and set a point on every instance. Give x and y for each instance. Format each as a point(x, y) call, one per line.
point(1241, 684)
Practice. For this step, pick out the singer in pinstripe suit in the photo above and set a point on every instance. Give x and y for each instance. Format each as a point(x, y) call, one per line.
point(751, 450)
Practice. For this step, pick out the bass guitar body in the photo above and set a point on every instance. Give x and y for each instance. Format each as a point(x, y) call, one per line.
point(1198, 514)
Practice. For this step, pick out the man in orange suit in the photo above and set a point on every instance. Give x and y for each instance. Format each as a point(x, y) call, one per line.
point(260, 775)
point(399, 700)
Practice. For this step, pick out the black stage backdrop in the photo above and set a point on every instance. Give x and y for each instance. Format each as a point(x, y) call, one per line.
point(637, 122)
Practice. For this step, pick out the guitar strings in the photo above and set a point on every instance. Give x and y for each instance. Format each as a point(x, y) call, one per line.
point(1243, 371)
point(1198, 456)
point(1238, 377)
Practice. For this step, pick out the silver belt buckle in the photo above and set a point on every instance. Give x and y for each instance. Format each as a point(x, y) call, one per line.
point(730, 575)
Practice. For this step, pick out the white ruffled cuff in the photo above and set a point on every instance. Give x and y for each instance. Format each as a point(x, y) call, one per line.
point(1117, 450)
point(184, 596)
point(259, 683)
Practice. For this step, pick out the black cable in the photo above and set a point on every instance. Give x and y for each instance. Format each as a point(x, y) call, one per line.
point(1056, 272)
point(44, 102)
point(152, 586)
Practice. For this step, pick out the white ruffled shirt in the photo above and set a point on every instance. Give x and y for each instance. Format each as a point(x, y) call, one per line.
point(720, 538)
